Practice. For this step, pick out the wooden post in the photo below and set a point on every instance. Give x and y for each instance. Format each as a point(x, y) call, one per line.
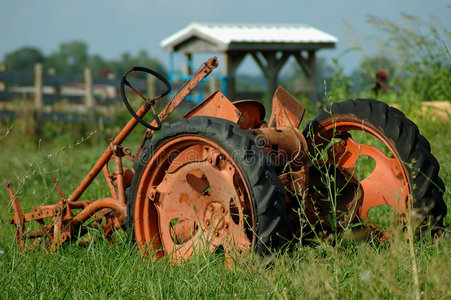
point(38, 87)
point(151, 86)
point(232, 61)
point(309, 68)
point(272, 72)
point(212, 84)
point(312, 79)
point(186, 66)
point(271, 68)
point(2, 84)
point(89, 96)
point(38, 100)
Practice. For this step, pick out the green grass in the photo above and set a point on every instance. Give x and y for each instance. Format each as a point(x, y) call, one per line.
point(350, 269)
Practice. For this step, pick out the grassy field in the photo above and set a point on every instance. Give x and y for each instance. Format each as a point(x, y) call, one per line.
point(350, 269)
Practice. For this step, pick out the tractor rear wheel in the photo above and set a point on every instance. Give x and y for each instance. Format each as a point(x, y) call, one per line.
point(204, 183)
point(393, 162)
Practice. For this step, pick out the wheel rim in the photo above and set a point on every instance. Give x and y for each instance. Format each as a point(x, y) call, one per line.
point(192, 195)
point(387, 184)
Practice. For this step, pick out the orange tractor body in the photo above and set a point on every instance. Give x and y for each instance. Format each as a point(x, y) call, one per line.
point(225, 178)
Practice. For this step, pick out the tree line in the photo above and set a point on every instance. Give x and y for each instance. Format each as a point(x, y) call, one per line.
point(73, 57)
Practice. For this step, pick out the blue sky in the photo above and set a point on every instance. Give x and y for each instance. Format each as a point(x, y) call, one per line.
point(112, 27)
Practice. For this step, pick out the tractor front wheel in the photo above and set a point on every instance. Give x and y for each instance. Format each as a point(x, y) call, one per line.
point(204, 183)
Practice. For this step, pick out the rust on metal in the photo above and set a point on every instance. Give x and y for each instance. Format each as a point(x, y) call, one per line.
point(193, 194)
point(64, 222)
point(284, 144)
point(386, 185)
point(252, 113)
point(217, 105)
point(204, 71)
point(19, 219)
point(286, 111)
point(194, 199)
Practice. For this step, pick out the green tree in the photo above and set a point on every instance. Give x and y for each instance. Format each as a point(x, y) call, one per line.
point(99, 66)
point(71, 58)
point(23, 59)
point(141, 59)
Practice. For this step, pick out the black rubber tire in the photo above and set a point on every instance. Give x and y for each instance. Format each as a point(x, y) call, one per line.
point(267, 192)
point(412, 149)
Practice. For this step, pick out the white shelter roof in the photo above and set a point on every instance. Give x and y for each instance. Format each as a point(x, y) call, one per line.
point(223, 35)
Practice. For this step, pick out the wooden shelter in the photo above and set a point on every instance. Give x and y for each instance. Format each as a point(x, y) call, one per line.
point(270, 45)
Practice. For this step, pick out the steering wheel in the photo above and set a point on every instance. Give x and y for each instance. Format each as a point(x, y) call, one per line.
point(149, 101)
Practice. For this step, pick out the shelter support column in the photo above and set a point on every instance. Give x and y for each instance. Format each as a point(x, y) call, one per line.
point(308, 66)
point(187, 71)
point(270, 63)
point(231, 61)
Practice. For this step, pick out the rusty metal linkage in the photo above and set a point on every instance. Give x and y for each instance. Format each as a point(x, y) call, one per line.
point(65, 223)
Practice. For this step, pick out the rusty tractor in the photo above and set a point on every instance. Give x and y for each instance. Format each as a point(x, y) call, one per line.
point(225, 178)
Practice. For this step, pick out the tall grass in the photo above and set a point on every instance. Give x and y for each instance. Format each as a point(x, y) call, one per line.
point(350, 269)
point(347, 269)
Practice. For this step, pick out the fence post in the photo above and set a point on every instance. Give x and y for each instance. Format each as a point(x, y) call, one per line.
point(38, 101)
point(38, 89)
point(89, 97)
point(2, 84)
point(212, 84)
point(151, 86)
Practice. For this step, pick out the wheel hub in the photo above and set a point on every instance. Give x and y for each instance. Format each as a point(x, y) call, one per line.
point(216, 217)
